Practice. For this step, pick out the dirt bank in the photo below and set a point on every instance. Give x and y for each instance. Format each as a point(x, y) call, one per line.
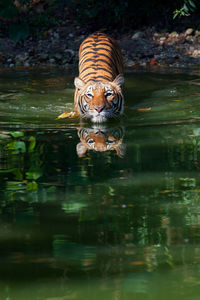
point(141, 48)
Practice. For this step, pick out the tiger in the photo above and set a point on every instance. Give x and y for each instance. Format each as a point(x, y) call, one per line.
point(100, 139)
point(98, 88)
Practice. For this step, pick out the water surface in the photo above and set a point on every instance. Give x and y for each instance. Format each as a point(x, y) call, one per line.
point(121, 221)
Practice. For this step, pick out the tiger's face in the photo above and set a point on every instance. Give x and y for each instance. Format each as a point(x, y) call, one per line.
point(100, 101)
point(100, 140)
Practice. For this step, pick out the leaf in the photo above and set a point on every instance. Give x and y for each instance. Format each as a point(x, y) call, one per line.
point(139, 263)
point(176, 100)
point(153, 62)
point(144, 109)
point(166, 191)
point(192, 4)
point(71, 115)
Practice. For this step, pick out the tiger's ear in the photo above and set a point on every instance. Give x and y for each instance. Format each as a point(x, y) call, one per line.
point(121, 150)
point(81, 149)
point(79, 83)
point(119, 80)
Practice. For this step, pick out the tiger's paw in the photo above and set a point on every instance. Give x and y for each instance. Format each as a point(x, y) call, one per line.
point(70, 115)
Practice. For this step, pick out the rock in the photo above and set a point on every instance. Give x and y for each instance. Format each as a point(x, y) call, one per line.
point(69, 54)
point(138, 35)
point(190, 38)
point(189, 31)
point(173, 35)
point(52, 60)
point(43, 57)
point(21, 57)
point(27, 64)
point(196, 53)
point(162, 40)
point(58, 56)
point(197, 33)
point(129, 63)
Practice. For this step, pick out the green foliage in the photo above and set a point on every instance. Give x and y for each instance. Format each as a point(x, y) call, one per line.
point(188, 7)
point(21, 18)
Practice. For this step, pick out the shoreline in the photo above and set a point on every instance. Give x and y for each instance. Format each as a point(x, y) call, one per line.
point(145, 49)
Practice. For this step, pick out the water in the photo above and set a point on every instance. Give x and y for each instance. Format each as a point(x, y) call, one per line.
point(119, 222)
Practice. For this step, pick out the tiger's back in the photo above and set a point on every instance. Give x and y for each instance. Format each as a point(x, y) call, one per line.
point(100, 58)
point(98, 94)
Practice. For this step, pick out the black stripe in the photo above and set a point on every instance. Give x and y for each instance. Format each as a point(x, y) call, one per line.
point(85, 54)
point(97, 78)
point(105, 44)
point(89, 67)
point(109, 50)
point(104, 61)
point(88, 74)
point(87, 60)
point(85, 48)
point(86, 42)
point(106, 70)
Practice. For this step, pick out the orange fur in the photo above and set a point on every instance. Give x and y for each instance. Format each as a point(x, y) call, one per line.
point(100, 69)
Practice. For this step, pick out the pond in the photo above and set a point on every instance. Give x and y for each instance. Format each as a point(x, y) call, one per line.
point(119, 222)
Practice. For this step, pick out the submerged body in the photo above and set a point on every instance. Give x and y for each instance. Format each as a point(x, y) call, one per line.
point(98, 95)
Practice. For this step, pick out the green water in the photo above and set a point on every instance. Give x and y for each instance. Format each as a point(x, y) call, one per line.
point(120, 224)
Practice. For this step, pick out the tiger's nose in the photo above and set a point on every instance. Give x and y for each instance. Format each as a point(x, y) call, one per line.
point(99, 108)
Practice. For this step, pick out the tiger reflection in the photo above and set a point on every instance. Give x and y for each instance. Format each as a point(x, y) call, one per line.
point(100, 139)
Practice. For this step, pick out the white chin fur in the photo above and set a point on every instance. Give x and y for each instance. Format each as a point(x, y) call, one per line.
point(98, 119)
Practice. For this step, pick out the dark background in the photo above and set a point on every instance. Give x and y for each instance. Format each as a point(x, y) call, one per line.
point(20, 19)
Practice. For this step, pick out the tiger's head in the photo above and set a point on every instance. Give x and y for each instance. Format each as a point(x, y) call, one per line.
point(100, 139)
point(99, 100)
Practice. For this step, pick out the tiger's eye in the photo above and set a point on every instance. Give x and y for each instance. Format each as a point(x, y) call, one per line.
point(109, 94)
point(110, 142)
point(89, 95)
point(90, 141)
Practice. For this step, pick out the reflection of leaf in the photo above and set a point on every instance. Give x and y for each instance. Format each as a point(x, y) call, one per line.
point(10, 96)
point(33, 175)
point(15, 185)
point(8, 171)
point(74, 252)
point(17, 146)
point(32, 144)
point(32, 186)
point(18, 174)
point(111, 191)
point(73, 207)
point(16, 134)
